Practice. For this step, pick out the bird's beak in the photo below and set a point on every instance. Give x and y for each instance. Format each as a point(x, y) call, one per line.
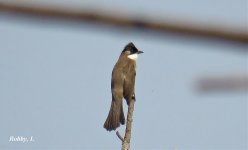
point(140, 52)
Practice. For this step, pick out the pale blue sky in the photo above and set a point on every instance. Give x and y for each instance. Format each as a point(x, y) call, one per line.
point(55, 81)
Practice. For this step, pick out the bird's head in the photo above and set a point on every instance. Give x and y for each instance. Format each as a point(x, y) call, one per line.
point(131, 51)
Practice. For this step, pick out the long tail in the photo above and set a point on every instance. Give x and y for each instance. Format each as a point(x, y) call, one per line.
point(115, 116)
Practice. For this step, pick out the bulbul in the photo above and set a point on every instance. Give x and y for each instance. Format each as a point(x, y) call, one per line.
point(122, 85)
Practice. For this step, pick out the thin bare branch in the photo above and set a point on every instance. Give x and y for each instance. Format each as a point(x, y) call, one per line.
point(223, 83)
point(120, 21)
point(127, 138)
point(119, 136)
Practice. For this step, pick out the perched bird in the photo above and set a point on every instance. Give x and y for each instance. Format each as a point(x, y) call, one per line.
point(122, 85)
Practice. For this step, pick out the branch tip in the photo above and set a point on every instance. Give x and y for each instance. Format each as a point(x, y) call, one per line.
point(119, 136)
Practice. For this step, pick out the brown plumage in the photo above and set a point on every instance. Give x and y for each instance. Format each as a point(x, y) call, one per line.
point(122, 86)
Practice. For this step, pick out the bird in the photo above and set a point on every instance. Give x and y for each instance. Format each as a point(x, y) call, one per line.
point(122, 85)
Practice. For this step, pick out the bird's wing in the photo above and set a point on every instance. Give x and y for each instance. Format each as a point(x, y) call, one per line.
point(129, 83)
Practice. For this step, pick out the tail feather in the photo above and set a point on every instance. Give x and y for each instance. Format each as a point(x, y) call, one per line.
point(115, 116)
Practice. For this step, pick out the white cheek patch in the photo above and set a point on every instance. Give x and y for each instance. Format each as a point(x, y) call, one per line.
point(133, 56)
